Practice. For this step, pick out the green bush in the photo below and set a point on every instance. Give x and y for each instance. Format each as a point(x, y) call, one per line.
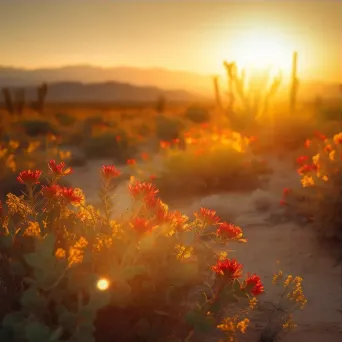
point(198, 114)
point(168, 129)
point(34, 128)
point(65, 119)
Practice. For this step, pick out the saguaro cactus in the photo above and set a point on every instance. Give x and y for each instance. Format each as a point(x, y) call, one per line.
point(294, 82)
point(8, 100)
point(217, 93)
point(39, 104)
point(19, 97)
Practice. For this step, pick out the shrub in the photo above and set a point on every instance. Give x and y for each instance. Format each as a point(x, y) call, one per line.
point(70, 271)
point(116, 146)
point(168, 129)
point(65, 119)
point(320, 198)
point(197, 114)
point(34, 128)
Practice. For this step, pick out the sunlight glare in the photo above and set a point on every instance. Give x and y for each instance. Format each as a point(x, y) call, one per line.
point(102, 284)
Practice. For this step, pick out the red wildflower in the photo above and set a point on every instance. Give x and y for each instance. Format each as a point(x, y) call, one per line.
point(302, 159)
point(282, 202)
point(164, 144)
point(208, 216)
point(178, 219)
point(228, 268)
point(109, 172)
point(286, 191)
point(307, 143)
point(153, 177)
point(131, 162)
point(162, 216)
point(51, 191)
point(328, 148)
point(320, 136)
point(307, 168)
point(57, 169)
point(144, 156)
point(176, 141)
point(118, 138)
point(142, 189)
point(29, 177)
point(253, 285)
point(141, 225)
point(70, 195)
point(229, 231)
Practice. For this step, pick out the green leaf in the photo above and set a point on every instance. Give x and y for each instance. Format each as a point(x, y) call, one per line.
point(68, 320)
point(31, 300)
point(37, 332)
point(12, 319)
point(56, 335)
point(200, 322)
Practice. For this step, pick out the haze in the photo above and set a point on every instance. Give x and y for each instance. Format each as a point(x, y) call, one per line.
point(191, 36)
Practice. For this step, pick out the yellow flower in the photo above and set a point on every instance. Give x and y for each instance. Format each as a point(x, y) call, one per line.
point(332, 155)
point(325, 178)
point(252, 303)
point(60, 253)
point(33, 146)
point(316, 158)
point(277, 277)
point(14, 144)
point(32, 230)
point(307, 181)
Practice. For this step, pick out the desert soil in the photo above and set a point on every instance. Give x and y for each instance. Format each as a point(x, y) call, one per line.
point(272, 245)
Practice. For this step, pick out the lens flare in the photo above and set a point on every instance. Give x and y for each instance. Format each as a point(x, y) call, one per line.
point(102, 284)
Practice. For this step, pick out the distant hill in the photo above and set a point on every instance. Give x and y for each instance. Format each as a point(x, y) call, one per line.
point(110, 92)
point(91, 83)
point(154, 77)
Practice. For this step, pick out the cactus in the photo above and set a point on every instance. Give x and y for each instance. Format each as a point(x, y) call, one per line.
point(217, 93)
point(19, 98)
point(8, 101)
point(294, 83)
point(41, 92)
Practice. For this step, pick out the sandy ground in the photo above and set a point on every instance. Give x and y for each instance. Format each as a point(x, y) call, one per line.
point(271, 247)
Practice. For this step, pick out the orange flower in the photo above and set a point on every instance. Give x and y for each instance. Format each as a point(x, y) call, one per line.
point(131, 162)
point(153, 177)
point(208, 216)
point(328, 148)
point(29, 177)
point(57, 169)
point(253, 285)
point(176, 141)
point(229, 231)
point(307, 168)
point(109, 171)
point(141, 225)
point(282, 202)
point(164, 144)
point(228, 268)
point(307, 143)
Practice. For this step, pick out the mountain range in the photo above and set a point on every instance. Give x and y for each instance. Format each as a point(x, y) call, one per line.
point(91, 83)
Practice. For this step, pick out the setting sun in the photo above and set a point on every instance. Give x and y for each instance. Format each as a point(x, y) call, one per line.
point(258, 49)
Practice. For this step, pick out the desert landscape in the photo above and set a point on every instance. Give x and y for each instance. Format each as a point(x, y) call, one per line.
point(143, 203)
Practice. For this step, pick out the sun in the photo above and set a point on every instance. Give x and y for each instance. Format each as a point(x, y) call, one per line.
point(259, 49)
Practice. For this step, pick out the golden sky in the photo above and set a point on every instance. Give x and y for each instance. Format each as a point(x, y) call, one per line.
point(195, 36)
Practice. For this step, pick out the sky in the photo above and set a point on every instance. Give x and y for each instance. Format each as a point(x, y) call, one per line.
point(193, 36)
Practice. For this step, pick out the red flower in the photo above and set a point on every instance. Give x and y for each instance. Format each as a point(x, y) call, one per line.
point(320, 136)
point(286, 191)
point(282, 202)
point(162, 216)
point(144, 156)
point(70, 195)
point(307, 168)
point(208, 216)
point(228, 268)
point(153, 177)
point(302, 159)
point(109, 172)
point(176, 141)
point(178, 220)
point(164, 144)
point(142, 189)
point(229, 231)
point(141, 225)
point(253, 285)
point(328, 148)
point(29, 177)
point(118, 138)
point(57, 169)
point(307, 143)
point(131, 162)
point(51, 191)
